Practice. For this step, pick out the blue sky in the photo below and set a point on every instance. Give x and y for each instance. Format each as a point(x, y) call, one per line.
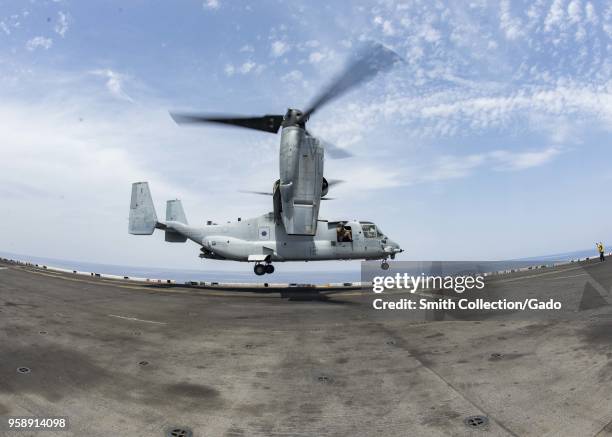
point(491, 141)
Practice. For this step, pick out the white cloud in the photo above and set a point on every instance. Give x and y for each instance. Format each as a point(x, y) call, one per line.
point(114, 83)
point(39, 42)
point(61, 27)
point(450, 167)
point(574, 11)
point(445, 113)
point(369, 177)
point(591, 15)
point(279, 48)
point(388, 28)
point(211, 4)
point(385, 25)
point(607, 19)
point(456, 167)
point(430, 34)
point(247, 67)
point(446, 167)
point(247, 48)
point(580, 34)
point(509, 24)
point(555, 15)
point(316, 57)
point(5, 28)
point(293, 76)
point(523, 160)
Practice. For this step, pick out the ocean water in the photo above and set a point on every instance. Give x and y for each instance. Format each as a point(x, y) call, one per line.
point(566, 256)
point(316, 276)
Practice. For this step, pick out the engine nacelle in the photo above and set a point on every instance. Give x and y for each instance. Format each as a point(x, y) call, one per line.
point(324, 187)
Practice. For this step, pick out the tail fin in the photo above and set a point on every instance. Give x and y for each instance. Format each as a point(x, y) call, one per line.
point(175, 213)
point(142, 212)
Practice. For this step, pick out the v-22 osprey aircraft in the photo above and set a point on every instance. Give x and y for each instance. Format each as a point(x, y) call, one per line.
point(261, 240)
point(293, 231)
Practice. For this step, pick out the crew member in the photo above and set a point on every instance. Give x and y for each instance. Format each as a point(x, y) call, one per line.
point(600, 249)
point(348, 235)
point(339, 232)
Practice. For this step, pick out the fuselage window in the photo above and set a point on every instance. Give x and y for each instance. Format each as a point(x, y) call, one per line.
point(344, 233)
point(369, 231)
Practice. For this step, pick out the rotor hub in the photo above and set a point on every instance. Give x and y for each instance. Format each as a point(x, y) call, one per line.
point(294, 117)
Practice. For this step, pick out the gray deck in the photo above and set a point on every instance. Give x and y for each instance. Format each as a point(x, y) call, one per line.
point(245, 364)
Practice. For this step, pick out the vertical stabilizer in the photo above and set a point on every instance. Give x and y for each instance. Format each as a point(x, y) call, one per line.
point(142, 212)
point(175, 212)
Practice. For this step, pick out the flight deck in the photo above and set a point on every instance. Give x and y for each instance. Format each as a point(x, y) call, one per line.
point(146, 359)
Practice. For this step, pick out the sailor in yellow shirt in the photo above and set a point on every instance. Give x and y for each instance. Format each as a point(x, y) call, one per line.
point(600, 249)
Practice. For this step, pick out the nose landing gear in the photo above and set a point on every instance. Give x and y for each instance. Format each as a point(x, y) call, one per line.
point(262, 269)
point(384, 265)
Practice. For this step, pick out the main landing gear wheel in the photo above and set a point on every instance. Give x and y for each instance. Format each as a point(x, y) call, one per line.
point(269, 268)
point(384, 265)
point(259, 269)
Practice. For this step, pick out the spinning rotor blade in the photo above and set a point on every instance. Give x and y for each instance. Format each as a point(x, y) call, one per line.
point(371, 60)
point(334, 151)
point(263, 193)
point(267, 123)
point(332, 182)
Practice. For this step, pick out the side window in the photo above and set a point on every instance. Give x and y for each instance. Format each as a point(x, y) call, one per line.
point(369, 231)
point(344, 233)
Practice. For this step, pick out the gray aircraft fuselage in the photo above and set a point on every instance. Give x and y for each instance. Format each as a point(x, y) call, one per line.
point(261, 239)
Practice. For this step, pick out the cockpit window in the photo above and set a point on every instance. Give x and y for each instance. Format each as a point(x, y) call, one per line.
point(369, 230)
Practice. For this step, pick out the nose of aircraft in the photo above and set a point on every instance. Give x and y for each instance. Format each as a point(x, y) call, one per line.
point(392, 247)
